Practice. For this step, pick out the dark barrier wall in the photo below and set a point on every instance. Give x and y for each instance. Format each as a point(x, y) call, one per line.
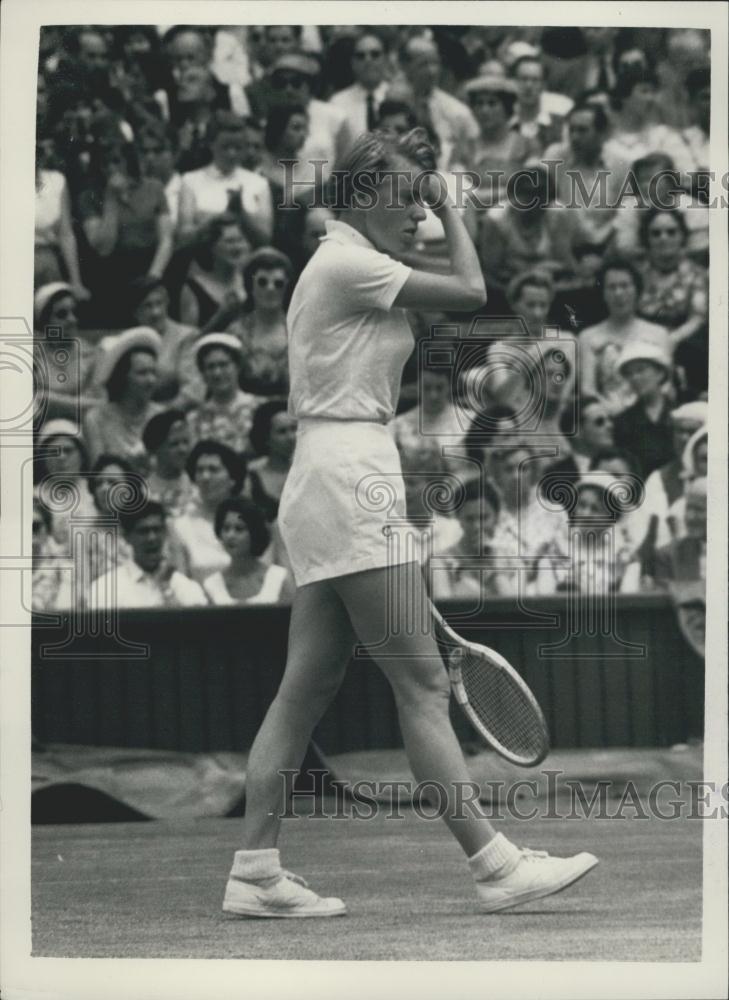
point(201, 680)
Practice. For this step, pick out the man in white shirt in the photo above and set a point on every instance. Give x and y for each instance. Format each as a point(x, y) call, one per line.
point(450, 118)
point(361, 102)
point(225, 186)
point(145, 581)
point(540, 114)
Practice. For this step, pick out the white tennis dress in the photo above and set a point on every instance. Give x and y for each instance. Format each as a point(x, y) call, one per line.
point(347, 350)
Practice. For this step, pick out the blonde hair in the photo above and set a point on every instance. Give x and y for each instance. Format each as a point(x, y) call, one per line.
point(373, 156)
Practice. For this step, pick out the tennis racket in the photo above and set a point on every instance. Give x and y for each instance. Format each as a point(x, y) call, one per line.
point(494, 698)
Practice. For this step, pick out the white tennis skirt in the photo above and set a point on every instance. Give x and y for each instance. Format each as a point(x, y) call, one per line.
point(343, 501)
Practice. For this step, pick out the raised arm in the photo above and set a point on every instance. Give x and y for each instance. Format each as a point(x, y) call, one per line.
point(463, 288)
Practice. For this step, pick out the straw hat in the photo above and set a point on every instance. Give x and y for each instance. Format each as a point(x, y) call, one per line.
point(47, 292)
point(57, 428)
point(639, 351)
point(226, 340)
point(114, 348)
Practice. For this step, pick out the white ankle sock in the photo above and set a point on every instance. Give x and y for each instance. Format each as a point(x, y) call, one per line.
point(253, 865)
point(499, 856)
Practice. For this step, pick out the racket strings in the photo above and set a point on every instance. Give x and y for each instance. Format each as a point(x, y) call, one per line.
point(503, 707)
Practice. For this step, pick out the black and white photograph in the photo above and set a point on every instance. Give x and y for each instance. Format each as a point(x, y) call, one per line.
point(363, 464)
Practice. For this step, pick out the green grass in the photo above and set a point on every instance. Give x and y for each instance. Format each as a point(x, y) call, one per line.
point(154, 890)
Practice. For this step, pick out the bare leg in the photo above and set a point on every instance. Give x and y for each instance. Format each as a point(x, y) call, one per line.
point(389, 610)
point(320, 645)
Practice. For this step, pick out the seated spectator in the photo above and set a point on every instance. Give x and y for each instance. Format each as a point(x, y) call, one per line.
point(498, 149)
point(147, 580)
point(156, 150)
point(683, 560)
point(127, 369)
point(226, 414)
point(449, 118)
point(56, 252)
point(580, 305)
point(601, 345)
point(645, 427)
point(293, 78)
point(540, 114)
point(665, 486)
point(273, 438)
point(51, 584)
point(275, 40)
point(219, 473)
point(531, 231)
point(694, 466)
point(189, 48)
point(287, 129)
point(525, 528)
point(591, 436)
point(224, 186)
point(178, 378)
point(697, 136)
point(61, 455)
point(396, 116)
point(167, 440)
point(434, 428)
point(470, 567)
point(591, 562)
point(513, 366)
point(127, 224)
point(102, 544)
point(636, 132)
point(638, 532)
point(213, 294)
point(582, 182)
point(66, 377)
point(362, 100)
point(194, 102)
point(676, 292)
point(578, 59)
point(261, 329)
point(241, 528)
point(657, 186)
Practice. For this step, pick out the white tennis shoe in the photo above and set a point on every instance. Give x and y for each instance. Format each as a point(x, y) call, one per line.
point(536, 875)
point(282, 895)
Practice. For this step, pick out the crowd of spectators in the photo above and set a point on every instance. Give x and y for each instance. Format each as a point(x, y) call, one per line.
point(184, 178)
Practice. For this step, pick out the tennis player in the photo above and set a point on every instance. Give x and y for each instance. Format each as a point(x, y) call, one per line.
point(348, 342)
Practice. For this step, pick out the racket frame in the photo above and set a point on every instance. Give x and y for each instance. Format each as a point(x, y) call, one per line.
point(497, 662)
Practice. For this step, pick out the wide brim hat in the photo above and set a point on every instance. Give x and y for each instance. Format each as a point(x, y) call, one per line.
point(696, 412)
point(114, 348)
point(46, 293)
point(296, 62)
point(490, 83)
point(639, 351)
point(226, 340)
point(58, 428)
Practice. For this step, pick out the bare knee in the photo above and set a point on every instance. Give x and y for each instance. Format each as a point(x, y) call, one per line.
point(420, 689)
point(312, 692)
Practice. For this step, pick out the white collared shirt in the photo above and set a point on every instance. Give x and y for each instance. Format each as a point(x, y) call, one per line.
point(347, 345)
point(204, 194)
point(353, 102)
point(129, 586)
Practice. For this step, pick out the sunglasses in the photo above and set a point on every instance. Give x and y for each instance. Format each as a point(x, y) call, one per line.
point(368, 54)
point(286, 80)
point(263, 282)
point(67, 313)
point(600, 421)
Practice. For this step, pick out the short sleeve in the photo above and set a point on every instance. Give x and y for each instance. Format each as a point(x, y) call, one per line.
point(367, 279)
